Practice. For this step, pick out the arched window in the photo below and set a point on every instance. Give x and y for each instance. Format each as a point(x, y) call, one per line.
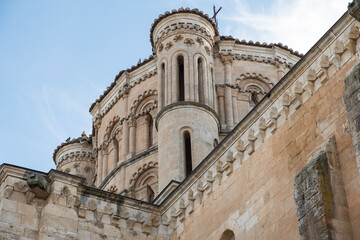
point(162, 79)
point(187, 151)
point(201, 80)
point(151, 130)
point(181, 81)
point(228, 235)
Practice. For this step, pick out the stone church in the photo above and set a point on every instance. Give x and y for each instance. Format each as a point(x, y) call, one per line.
point(208, 138)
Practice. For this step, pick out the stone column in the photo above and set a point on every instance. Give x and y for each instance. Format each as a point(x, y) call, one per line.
point(235, 106)
point(227, 60)
point(99, 168)
point(125, 139)
point(132, 138)
point(161, 81)
point(221, 107)
point(147, 131)
point(105, 162)
point(174, 82)
point(125, 127)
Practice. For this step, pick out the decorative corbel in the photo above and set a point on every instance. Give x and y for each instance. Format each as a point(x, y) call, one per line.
point(191, 200)
point(229, 163)
point(219, 171)
point(240, 149)
point(260, 134)
point(310, 80)
point(353, 35)
point(272, 121)
point(181, 212)
point(298, 90)
point(250, 146)
point(324, 65)
point(209, 182)
point(200, 191)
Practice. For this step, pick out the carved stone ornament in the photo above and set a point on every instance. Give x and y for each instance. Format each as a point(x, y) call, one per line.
point(113, 189)
point(189, 41)
point(161, 47)
point(168, 45)
point(207, 49)
point(200, 40)
point(227, 59)
point(178, 38)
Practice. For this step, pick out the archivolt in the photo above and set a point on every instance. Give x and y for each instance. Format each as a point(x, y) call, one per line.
point(144, 103)
point(142, 175)
point(249, 80)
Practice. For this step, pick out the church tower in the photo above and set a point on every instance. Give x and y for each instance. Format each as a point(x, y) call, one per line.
point(187, 124)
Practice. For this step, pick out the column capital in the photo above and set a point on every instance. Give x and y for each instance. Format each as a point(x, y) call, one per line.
point(227, 58)
point(132, 122)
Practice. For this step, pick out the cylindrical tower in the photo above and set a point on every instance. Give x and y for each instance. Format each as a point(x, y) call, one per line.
point(76, 157)
point(187, 123)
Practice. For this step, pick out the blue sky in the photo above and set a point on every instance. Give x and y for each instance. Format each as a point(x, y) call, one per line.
point(57, 57)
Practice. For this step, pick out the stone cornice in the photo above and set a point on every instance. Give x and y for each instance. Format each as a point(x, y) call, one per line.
point(82, 139)
point(179, 11)
point(264, 44)
point(123, 90)
point(121, 73)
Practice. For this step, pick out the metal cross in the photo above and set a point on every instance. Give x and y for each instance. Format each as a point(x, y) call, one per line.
point(215, 13)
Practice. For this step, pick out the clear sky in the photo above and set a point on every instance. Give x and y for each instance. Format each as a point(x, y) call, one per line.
point(57, 57)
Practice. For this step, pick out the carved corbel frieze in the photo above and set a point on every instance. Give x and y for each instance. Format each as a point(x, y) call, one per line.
point(209, 182)
point(146, 228)
point(200, 191)
point(229, 163)
point(8, 191)
point(324, 65)
point(339, 49)
point(191, 200)
point(285, 101)
point(92, 205)
point(219, 171)
point(172, 219)
point(131, 222)
point(82, 211)
point(124, 214)
point(272, 121)
point(181, 212)
point(240, 149)
point(115, 219)
point(298, 90)
point(250, 146)
point(260, 133)
point(310, 80)
point(353, 35)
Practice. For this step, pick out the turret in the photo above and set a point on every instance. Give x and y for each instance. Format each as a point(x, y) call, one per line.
point(187, 124)
point(76, 157)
